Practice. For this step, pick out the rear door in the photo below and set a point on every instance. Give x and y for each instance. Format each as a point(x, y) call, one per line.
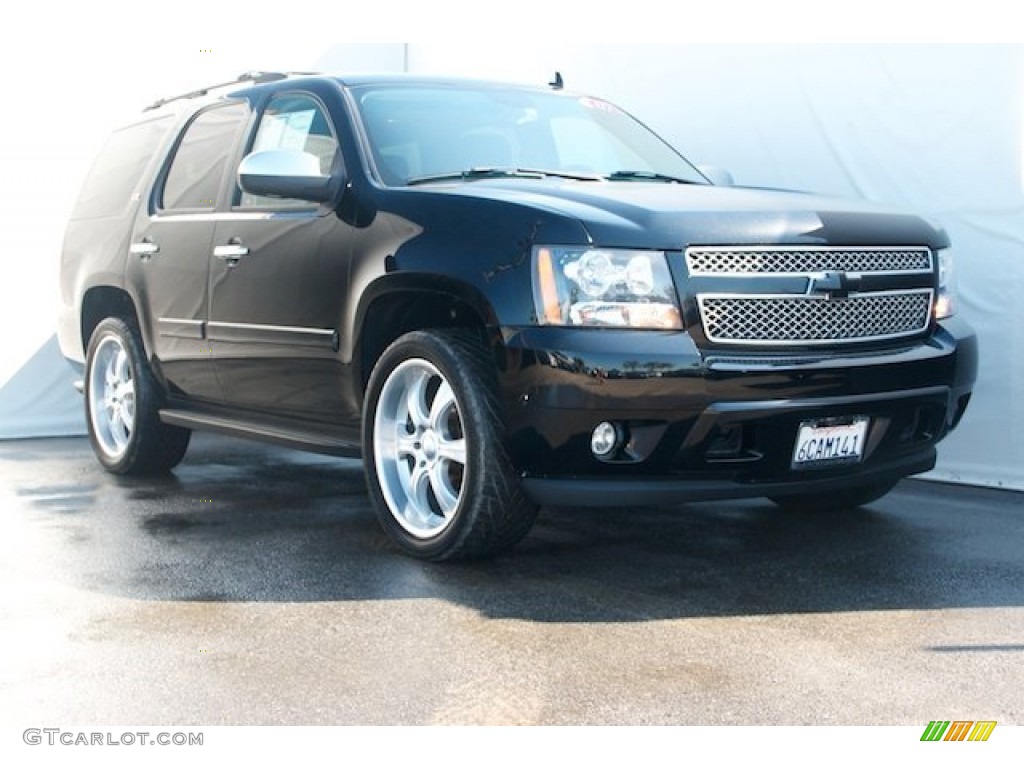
point(278, 280)
point(171, 248)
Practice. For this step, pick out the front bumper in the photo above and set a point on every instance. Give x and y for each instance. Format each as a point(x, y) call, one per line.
point(704, 425)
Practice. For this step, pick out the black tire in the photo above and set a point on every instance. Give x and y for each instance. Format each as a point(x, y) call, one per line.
point(440, 477)
point(844, 498)
point(122, 401)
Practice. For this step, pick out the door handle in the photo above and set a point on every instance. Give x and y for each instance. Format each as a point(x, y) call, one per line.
point(231, 252)
point(144, 249)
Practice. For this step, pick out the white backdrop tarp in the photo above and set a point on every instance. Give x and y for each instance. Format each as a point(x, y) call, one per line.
point(39, 400)
point(936, 129)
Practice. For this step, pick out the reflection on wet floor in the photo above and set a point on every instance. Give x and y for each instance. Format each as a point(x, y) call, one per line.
point(250, 522)
point(253, 585)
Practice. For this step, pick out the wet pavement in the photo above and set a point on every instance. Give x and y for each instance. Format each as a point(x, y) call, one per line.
point(253, 586)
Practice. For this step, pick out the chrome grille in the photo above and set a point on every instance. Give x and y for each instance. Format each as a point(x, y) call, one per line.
point(794, 319)
point(795, 260)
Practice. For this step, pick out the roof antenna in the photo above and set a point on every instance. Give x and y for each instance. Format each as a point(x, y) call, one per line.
point(557, 82)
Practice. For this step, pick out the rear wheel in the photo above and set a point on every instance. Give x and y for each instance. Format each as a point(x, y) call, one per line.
point(439, 476)
point(122, 401)
point(845, 498)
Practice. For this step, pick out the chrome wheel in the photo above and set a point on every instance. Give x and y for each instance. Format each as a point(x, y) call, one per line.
point(122, 404)
point(112, 397)
point(434, 444)
point(419, 448)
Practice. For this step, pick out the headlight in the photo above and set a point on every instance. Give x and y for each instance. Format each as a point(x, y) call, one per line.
point(603, 287)
point(945, 302)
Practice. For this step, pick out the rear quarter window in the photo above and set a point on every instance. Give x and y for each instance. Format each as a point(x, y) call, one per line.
point(117, 171)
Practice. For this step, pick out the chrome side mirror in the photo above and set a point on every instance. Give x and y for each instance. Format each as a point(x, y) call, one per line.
point(284, 173)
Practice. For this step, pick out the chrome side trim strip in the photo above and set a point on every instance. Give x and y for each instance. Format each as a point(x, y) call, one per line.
point(181, 328)
point(272, 328)
point(279, 335)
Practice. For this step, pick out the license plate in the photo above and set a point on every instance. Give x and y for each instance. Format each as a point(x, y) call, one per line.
point(827, 442)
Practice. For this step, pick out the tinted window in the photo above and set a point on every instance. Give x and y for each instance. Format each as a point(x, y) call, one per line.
point(194, 178)
point(118, 169)
point(298, 122)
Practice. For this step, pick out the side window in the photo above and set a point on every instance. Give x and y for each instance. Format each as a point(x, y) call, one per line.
point(117, 171)
point(293, 121)
point(193, 180)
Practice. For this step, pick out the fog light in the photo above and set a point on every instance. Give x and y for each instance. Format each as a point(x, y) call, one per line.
point(605, 439)
point(727, 444)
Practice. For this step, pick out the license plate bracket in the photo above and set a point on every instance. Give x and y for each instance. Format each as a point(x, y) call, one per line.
point(830, 442)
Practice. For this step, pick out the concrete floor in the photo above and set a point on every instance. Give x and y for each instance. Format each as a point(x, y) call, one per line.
point(254, 587)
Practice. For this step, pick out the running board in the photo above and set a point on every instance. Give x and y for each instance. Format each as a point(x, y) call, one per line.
point(286, 435)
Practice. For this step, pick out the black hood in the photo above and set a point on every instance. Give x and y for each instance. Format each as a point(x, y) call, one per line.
point(672, 216)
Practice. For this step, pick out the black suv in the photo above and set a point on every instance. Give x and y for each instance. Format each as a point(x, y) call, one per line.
point(500, 297)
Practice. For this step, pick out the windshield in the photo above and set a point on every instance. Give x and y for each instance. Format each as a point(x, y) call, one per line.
point(449, 131)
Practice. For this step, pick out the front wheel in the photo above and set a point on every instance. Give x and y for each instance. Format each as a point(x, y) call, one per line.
point(439, 475)
point(845, 498)
point(122, 401)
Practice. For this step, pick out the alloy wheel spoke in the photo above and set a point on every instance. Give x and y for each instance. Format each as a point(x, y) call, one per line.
point(110, 371)
point(118, 430)
point(415, 515)
point(128, 410)
point(447, 497)
point(405, 444)
point(444, 400)
point(416, 399)
point(419, 492)
point(452, 450)
point(121, 369)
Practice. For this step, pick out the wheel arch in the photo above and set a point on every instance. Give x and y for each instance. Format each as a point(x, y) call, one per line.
point(102, 301)
point(396, 304)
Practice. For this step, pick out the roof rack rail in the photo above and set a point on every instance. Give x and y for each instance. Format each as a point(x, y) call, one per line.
point(254, 76)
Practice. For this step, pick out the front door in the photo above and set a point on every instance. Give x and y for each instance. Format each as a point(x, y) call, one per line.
point(278, 279)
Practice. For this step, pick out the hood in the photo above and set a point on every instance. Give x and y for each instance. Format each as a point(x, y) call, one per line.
point(673, 216)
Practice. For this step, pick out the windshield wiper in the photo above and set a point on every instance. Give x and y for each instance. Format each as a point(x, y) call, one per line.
point(574, 175)
point(648, 176)
point(488, 172)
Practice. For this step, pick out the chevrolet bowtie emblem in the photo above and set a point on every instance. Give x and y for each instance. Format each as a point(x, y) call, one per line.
point(832, 285)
